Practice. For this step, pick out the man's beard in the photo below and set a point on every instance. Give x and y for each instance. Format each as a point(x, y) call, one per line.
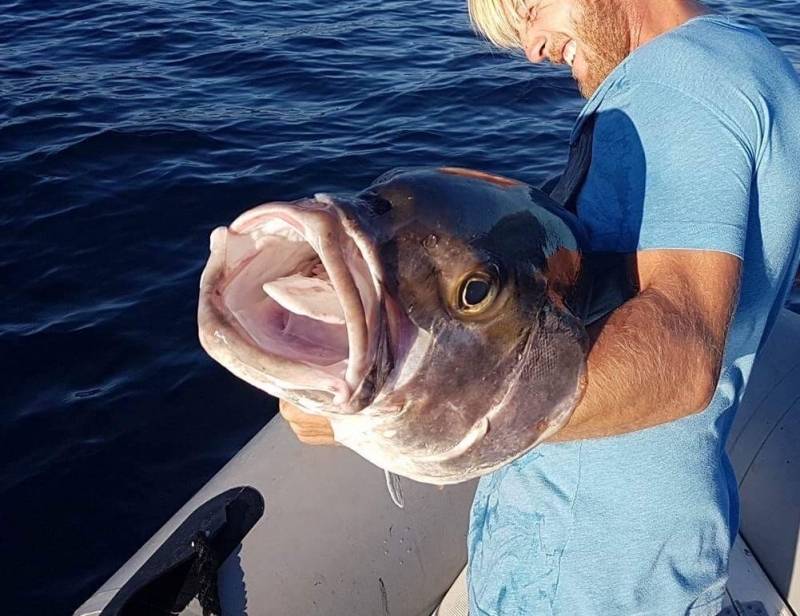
point(605, 33)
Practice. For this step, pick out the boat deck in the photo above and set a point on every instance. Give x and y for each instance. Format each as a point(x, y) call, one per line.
point(750, 592)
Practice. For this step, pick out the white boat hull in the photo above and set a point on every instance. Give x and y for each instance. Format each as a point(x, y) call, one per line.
point(330, 540)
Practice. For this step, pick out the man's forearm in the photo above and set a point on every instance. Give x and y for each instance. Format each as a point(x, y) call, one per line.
point(651, 363)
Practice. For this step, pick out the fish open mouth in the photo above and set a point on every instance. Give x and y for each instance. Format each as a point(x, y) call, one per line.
point(291, 300)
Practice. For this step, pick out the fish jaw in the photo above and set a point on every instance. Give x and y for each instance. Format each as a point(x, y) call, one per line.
point(481, 428)
point(292, 301)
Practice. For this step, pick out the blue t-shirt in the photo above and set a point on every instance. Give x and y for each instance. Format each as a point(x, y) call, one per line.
point(696, 146)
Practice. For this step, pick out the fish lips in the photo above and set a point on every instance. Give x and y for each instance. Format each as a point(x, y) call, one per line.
point(332, 363)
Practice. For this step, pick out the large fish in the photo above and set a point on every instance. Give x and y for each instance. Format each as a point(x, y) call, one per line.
point(436, 318)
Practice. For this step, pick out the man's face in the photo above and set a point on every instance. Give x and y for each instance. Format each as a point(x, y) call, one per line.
point(592, 36)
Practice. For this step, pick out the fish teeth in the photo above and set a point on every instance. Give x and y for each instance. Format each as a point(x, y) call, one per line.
point(569, 52)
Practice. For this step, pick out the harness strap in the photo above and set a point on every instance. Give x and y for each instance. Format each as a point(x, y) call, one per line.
point(606, 281)
point(568, 186)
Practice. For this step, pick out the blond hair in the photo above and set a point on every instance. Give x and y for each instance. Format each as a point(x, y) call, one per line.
point(496, 22)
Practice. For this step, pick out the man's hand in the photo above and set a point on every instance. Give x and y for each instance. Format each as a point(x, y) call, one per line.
point(309, 429)
point(657, 358)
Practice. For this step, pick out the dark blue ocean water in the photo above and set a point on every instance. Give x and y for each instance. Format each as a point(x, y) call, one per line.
point(128, 130)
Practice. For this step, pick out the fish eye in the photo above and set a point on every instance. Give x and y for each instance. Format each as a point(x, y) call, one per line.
point(477, 292)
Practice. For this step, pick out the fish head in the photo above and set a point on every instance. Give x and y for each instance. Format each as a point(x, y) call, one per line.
point(487, 270)
point(429, 317)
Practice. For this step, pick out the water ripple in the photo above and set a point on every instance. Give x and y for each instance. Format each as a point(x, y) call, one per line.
point(128, 131)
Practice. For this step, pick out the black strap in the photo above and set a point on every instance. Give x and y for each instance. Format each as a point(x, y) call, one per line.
point(605, 281)
point(568, 186)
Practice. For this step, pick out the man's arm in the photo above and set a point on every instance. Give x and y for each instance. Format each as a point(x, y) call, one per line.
point(309, 429)
point(657, 357)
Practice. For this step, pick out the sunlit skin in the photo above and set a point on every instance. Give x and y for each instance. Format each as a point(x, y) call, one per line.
point(656, 358)
point(602, 32)
point(309, 429)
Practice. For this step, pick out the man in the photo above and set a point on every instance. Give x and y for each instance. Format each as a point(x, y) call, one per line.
point(632, 507)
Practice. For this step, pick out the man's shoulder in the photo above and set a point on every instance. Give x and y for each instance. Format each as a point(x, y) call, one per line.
point(710, 59)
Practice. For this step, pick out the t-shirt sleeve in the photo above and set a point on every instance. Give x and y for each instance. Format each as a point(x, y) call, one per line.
point(668, 171)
